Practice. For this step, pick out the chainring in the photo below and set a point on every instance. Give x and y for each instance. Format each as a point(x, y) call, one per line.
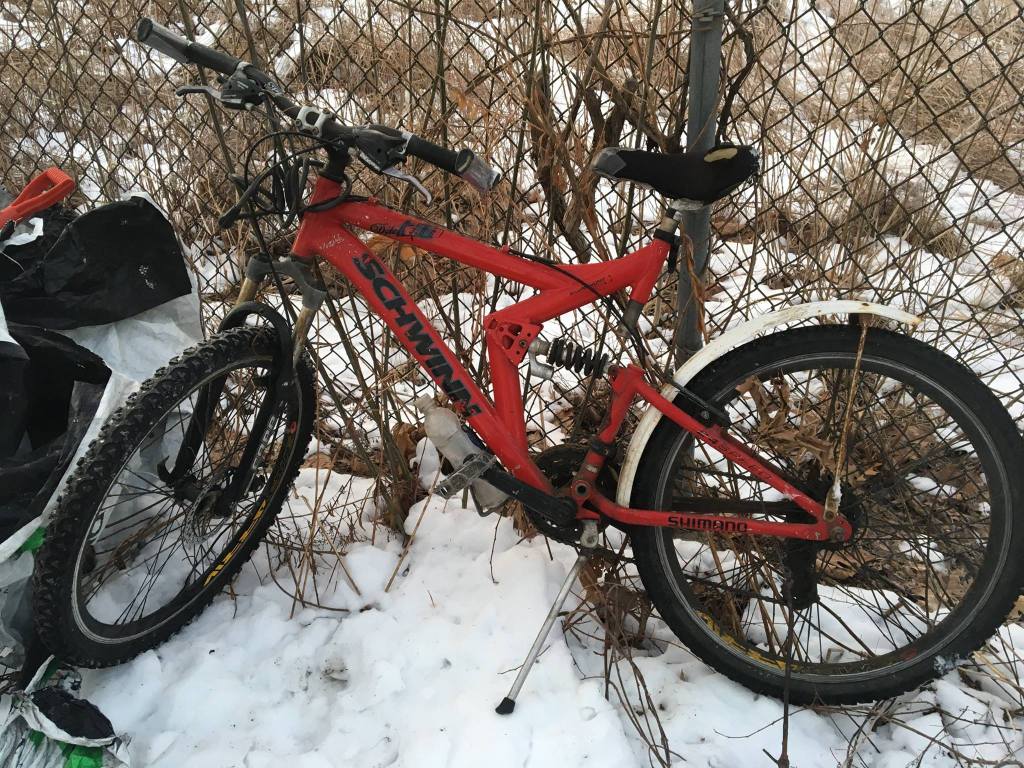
point(559, 465)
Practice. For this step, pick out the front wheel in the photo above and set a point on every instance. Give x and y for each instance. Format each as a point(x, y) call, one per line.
point(149, 528)
point(931, 482)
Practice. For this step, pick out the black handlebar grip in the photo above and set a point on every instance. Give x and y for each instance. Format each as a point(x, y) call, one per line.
point(462, 163)
point(158, 37)
point(444, 158)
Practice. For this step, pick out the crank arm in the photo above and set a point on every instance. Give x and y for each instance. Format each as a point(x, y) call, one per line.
point(557, 510)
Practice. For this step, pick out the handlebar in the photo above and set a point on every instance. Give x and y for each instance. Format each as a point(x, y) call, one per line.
point(444, 158)
point(462, 163)
point(160, 38)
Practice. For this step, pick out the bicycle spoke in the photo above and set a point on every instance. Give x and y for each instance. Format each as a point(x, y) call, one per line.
point(902, 471)
point(163, 543)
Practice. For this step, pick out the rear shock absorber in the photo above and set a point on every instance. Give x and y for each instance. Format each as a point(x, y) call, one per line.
point(576, 357)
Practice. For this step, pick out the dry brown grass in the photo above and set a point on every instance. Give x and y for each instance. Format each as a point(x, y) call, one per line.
point(867, 116)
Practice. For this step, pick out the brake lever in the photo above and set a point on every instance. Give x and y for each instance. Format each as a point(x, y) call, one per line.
point(187, 90)
point(409, 179)
point(237, 93)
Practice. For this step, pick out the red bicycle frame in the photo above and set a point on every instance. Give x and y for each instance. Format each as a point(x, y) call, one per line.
point(509, 332)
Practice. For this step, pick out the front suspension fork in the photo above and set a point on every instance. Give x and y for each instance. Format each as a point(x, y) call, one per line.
point(291, 342)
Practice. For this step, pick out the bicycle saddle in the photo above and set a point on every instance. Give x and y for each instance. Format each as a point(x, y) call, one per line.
point(702, 177)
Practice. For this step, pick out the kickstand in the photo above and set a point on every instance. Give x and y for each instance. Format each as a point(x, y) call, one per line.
point(509, 702)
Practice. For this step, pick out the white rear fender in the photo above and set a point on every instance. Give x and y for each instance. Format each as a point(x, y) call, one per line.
point(724, 344)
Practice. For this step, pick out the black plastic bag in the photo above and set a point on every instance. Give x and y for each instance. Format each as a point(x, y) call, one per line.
point(58, 392)
point(108, 264)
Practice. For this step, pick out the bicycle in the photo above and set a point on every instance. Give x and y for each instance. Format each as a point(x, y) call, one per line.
point(830, 511)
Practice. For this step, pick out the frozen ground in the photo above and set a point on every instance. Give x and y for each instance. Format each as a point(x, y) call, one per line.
point(410, 677)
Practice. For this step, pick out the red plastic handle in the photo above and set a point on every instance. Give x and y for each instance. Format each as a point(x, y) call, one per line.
point(49, 187)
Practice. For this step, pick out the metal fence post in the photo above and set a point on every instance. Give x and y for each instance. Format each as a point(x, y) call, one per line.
point(702, 101)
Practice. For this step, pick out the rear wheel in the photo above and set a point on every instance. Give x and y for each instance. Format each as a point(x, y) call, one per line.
point(145, 535)
point(931, 480)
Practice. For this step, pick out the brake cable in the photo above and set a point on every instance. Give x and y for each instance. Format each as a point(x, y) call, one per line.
point(292, 177)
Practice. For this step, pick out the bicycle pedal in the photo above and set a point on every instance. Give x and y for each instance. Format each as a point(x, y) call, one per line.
point(464, 476)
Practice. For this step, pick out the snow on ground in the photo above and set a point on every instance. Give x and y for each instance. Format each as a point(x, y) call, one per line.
point(411, 677)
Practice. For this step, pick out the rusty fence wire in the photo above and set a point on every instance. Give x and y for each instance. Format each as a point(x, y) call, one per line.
point(890, 136)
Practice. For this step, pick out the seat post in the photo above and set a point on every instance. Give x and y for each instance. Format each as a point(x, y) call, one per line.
point(669, 223)
point(674, 212)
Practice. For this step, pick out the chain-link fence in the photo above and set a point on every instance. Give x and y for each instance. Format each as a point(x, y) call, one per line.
point(890, 136)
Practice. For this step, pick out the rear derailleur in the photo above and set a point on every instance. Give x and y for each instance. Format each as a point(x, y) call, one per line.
point(800, 557)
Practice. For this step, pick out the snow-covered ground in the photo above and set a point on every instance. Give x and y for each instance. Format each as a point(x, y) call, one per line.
point(410, 677)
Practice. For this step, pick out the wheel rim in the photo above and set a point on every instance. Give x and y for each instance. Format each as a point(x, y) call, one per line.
point(151, 550)
point(929, 541)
